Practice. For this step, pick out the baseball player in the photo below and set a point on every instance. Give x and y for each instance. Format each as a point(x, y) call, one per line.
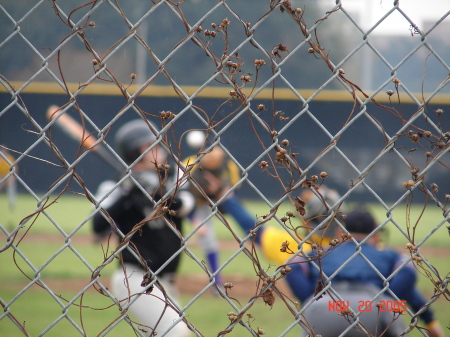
point(213, 166)
point(156, 240)
point(8, 183)
point(356, 282)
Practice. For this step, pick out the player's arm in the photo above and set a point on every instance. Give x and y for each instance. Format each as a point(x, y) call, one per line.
point(416, 301)
point(405, 279)
point(301, 281)
point(111, 200)
point(233, 207)
point(403, 285)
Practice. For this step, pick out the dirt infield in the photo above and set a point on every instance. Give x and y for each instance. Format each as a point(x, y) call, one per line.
point(243, 285)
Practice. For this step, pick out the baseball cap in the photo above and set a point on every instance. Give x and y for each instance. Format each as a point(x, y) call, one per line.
point(315, 207)
point(131, 136)
point(360, 221)
point(316, 211)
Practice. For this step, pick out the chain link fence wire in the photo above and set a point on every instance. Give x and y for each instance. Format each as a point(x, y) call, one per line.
point(298, 94)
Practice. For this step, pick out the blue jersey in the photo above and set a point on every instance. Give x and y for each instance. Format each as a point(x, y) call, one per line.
point(369, 265)
point(359, 270)
point(304, 276)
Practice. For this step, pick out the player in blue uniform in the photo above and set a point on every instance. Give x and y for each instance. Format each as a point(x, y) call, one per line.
point(356, 282)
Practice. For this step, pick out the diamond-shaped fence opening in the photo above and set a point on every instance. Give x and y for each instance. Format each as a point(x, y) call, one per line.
point(304, 112)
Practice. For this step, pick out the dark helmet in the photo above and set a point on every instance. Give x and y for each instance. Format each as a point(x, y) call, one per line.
point(360, 221)
point(131, 136)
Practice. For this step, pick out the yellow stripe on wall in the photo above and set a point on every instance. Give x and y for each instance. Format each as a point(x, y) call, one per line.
point(213, 92)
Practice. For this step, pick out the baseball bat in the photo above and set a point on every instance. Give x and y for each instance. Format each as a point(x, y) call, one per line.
point(75, 130)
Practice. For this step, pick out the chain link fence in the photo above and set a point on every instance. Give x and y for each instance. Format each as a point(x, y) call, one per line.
point(298, 94)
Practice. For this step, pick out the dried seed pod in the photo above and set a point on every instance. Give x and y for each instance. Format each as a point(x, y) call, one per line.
point(334, 242)
point(307, 183)
point(286, 270)
point(345, 313)
point(263, 164)
point(270, 279)
point(346, 236)
point(411, 247)
point(166, 114)
point(408, 184)
point(284, 143)
point(389, 92)
point(259, 63)
point(323, 175)
point(415, 170)
point(415, 137)
point(133, 76)
point(439, 112)
point(228, 285)
point(225, 23)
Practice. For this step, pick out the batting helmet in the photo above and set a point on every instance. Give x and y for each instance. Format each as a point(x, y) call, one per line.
point(130, 137)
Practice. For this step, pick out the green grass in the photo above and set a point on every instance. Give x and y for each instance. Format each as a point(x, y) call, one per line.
point(36, 255)
point(70, 213)
point(36, 309)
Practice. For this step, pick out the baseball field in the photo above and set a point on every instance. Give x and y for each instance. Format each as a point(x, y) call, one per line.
point(56, 247)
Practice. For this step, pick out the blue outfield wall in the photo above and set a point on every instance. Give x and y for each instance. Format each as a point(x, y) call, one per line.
point(244, 138)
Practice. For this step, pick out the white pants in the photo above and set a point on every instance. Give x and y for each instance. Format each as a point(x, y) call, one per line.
point(149, 310)
point(207, 239)
point(330, 324)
